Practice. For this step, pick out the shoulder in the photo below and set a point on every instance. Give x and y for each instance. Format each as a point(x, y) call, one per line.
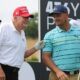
point(50, 33)
point(4, 26)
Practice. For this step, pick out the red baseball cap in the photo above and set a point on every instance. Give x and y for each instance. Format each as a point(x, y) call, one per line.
point(22, 11)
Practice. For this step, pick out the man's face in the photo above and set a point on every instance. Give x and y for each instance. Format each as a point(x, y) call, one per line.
point(60, 18)
point(22, 22)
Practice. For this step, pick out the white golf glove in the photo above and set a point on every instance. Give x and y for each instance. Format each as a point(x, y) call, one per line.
point(39, 45)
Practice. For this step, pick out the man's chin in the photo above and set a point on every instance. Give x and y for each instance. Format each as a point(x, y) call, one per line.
point(57, 24)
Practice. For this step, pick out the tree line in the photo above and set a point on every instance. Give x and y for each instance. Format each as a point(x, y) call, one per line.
point(31, 29)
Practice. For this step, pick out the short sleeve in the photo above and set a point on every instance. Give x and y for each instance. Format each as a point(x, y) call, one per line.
point(48, 44)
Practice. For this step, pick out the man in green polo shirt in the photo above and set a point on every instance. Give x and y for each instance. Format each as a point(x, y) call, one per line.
point(62, 47)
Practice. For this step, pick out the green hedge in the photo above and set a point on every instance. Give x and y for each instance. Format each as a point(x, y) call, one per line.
point(32, 28)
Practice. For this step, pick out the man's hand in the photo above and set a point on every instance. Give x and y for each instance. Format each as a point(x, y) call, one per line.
point(61, 75)
point(2, 74)
point(39, 45)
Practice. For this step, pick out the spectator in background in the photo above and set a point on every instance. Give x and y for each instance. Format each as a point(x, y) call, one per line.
point(75, 22)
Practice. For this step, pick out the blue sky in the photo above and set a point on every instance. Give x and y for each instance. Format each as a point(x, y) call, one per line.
point(7, 7)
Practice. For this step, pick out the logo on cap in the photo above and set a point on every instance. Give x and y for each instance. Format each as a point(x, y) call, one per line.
point(22, 11)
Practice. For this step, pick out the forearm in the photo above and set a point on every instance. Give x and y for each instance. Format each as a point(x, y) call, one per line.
point(47, 60)
point(35, 48)
point(30, 52)
point(2, 74)
point(0, 66)
point(59, 73)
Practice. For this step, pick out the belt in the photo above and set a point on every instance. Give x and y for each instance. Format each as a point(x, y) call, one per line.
point(71, 72)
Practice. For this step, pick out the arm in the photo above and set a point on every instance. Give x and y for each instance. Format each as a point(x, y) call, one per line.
point(2, 74)
point(47, 60)
point(30, 52)
point(36, 47)
point(2, 38)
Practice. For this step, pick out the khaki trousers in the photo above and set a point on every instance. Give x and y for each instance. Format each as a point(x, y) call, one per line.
point(52, 76)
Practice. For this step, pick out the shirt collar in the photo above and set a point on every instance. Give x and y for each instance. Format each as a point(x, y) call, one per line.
point(60, 30)
point(13, 27)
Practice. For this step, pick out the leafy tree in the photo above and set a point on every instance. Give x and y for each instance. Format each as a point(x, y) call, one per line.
point(32, 28)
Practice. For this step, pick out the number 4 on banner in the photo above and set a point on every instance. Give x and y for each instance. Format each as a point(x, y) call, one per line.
point(49, 7)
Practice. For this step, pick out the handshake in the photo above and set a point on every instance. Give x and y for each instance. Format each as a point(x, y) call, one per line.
point(39, 45)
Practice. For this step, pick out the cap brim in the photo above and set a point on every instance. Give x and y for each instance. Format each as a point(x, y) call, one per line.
point(28, 15)
point(31, 16)
point(51, 14)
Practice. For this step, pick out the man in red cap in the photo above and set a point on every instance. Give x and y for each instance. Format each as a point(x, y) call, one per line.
point(13, 44)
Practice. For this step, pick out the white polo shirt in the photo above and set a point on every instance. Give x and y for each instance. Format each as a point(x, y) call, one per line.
point(12, 45)
point(75, 22)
